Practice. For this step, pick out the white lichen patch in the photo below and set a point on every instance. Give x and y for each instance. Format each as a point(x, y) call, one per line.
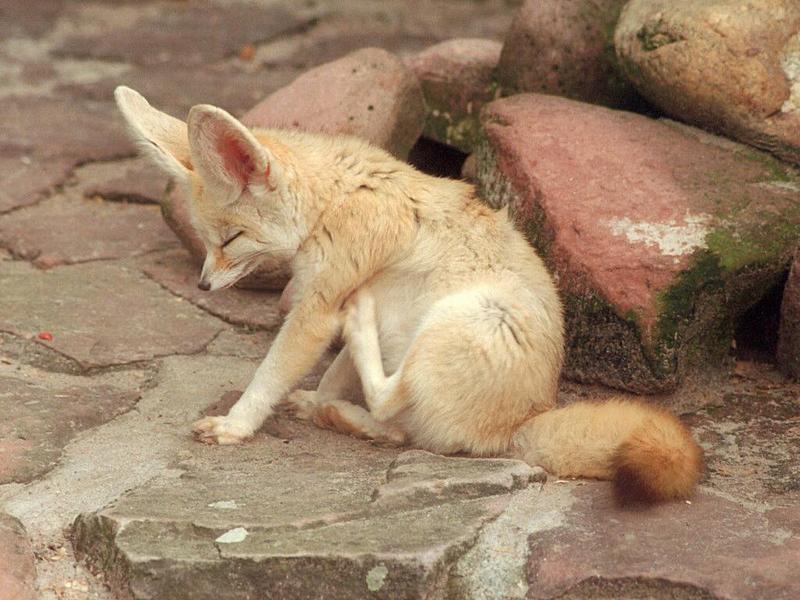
point(790, 63)
point(672, 238)
point(233, 536)
point(376, 576)
point(224, 505)
point(495, 567)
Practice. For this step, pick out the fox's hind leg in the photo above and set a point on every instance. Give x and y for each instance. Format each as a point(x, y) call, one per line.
point(361, 332)
point(326, 408)
point(344, 417)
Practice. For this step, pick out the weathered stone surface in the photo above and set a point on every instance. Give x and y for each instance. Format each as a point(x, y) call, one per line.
point(44, 139)
point(178, 33)
point(18, 20)
point(129, 180)
point(565, 49)
point(457, 78)
point(751, 438)
point(64, 230)
point(18, 575)
point(49, 410)
point(660, 236)
point(789, 333)
point(25, 180)
point(369, 94)
point(100, 313)
point(100, 465)
point(731, 66)
point(175, 90)
point(176, 272)
point(316, 533)
point(402, 30)
point(417, 477)
point(677, 550)
point(245, 344)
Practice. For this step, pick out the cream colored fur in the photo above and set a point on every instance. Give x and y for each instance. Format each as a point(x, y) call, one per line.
point(428, 285)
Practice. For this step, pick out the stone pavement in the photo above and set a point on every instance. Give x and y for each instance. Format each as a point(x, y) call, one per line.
point(108, 352)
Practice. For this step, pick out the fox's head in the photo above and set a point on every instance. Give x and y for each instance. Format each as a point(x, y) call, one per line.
point(242, 202)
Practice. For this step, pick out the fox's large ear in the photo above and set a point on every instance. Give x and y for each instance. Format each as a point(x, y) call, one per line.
point(163, 137)
point(225, 152)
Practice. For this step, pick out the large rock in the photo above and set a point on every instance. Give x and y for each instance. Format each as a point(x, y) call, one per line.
point(320, 516)
point(369, 94)
point(732, 66)
point(660, 235)
point(18, 575)
point(789, 332)
point(457, 78)
point(565, 49)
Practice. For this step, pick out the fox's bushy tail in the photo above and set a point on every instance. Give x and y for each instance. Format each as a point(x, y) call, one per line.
point(645, 450)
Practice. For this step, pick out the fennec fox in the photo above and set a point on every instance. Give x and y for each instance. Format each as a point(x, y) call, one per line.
point(426, 284)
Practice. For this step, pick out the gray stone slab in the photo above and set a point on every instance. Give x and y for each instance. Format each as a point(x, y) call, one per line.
point(62, 230)
point(399, 27)
point(245, 344)
point(49, 410)
point(319, 516)
point(175, 90)
point(100, 314)
point(186, 34)
point(27, 179)
point(44, 139)
point(129, 180)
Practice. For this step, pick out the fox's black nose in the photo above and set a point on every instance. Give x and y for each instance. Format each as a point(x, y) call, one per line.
point(204, 285)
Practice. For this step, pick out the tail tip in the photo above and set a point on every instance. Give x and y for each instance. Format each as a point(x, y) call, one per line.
point(647, 475)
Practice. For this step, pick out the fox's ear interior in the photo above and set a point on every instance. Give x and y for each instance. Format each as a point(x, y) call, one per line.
point(226, 153)
point(163, 137)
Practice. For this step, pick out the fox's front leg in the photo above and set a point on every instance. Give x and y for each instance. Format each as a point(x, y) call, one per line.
point(304, 337)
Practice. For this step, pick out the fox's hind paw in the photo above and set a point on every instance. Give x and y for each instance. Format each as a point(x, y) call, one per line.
point(303, 404)
point(221, 430)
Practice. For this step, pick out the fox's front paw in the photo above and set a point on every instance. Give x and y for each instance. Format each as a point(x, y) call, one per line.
point(221, 430)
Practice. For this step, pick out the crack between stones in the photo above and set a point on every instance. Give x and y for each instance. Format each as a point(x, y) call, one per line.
point(210, 311)
point(65, 182)
point(144, 364)
point(31, 259)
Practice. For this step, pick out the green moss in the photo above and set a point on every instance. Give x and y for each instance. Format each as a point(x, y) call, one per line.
point(653, 36)
point(462, 134)
point(678, 302)
point(770, 243)
point(777, 170)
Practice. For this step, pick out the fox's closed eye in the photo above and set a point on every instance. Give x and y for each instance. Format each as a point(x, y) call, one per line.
point(230, 239)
